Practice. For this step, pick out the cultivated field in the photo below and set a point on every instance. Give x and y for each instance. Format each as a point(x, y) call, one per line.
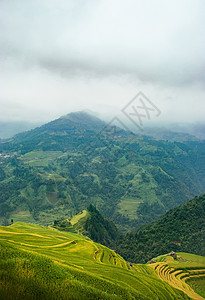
point(186, 273)
point(38, 262)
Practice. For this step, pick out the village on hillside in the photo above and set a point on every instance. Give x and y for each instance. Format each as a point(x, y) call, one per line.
point(4, 156)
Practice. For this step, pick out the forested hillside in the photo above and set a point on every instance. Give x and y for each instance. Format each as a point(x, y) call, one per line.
point(60, 168)
point(93, 224)
point(180, 229)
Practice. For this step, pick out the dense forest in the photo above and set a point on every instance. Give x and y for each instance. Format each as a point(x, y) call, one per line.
point(182, 229)
point(58, 169)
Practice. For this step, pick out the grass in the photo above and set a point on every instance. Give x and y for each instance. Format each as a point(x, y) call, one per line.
point(38, 262)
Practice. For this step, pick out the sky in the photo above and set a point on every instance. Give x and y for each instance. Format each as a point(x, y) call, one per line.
point(59, 56)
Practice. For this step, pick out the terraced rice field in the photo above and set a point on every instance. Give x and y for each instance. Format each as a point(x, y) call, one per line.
point(40, 158)
point(37, 262)
point(198, 285)
point(77, 217)
point(187, 273)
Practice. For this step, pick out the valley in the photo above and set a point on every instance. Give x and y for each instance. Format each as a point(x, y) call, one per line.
point(89, 216)
point(102, 150)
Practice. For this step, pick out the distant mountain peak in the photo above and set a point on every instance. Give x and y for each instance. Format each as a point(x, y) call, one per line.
point(82, 117)
point(69, 127)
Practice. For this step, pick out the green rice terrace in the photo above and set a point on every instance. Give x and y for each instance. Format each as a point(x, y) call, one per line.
point(183, 271)
point(38, 262)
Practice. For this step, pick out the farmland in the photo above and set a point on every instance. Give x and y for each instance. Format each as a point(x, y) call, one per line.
point(38, 262)
point(186, 272)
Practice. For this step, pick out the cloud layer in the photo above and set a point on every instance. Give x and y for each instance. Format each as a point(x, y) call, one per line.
point(59, 56)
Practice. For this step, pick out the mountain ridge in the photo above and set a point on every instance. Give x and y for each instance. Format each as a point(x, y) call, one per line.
point(63, 166)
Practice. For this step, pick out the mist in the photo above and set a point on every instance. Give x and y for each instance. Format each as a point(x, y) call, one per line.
point(57, 57)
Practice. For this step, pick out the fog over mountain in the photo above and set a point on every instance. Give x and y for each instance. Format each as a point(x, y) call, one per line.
point(62, 56)
point(9, 129)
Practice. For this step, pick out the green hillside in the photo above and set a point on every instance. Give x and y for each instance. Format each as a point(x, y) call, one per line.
point(184, 271)
point(56, 170)
point(180, 229)
point(93, 224)
point(37, 262)
point(74, 224)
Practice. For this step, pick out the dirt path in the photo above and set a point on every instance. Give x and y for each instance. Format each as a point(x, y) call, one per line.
point(97, 253)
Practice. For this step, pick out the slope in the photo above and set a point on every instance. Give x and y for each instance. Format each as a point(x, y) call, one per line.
point(183, 271)
point(93, 224)
point(38, 262)
point(60, 168)
point(180, 229)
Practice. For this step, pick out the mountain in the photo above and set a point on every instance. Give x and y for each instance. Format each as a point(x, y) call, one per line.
point(67, 132)
point(100, 229)
point(177, 132)
point(162, 133)
point(60, 168)
point(180, 229)
point(93, 224)
point(194, 129)
point(9, 129)
point(38, 262)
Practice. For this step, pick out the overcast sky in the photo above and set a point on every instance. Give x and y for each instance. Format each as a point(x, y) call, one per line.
point(58, 56)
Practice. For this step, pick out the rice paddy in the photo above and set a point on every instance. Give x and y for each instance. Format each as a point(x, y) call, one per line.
point(38, 262)
point(186, 273)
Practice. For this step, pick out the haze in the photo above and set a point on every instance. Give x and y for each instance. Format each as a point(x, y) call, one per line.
point(62, 56)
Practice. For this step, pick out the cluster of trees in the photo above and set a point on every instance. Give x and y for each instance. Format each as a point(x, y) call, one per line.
point(101, 229)
point(180, 229)
point(158, 175)
point(94, 225)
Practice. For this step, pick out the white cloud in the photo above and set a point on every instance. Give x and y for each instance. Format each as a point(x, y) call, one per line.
point(59, 56)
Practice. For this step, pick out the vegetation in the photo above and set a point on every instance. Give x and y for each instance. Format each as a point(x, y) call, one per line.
point(93, 224)
point(180, 229)
point(41, 263)
point(197, 284)
point(100, 229)
point(58, 169)
point(75, 224)
point(186, 272)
